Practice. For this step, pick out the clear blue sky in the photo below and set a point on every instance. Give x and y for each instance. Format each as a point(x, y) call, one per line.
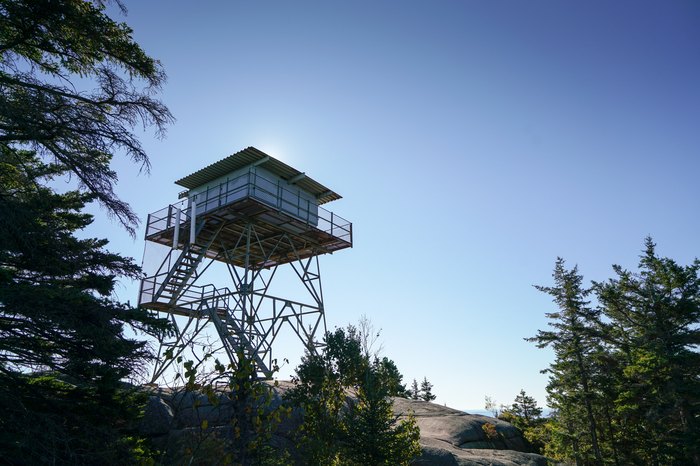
point(473, 143)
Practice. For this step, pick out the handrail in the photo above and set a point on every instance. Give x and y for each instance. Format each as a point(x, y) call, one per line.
point(233, 190)
point(193, 297)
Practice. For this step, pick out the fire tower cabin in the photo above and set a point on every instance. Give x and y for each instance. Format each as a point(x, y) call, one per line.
point(249, 210)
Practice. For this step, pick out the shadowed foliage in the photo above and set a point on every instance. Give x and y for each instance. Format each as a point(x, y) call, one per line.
point(73, 88)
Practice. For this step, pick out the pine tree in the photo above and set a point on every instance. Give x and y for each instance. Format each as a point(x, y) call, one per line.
point(527, 416)
point(414, 391)
point(570, 387)
point(319, 390)
point(74, 85)
point(375, 436)
point(364, 431)
point(63, 352)
point(426, 390)
point(390, 376)
point(654, 326)
point(628, 367)
point(525, 407)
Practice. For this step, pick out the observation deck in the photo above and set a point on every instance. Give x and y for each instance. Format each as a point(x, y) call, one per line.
point(288, 226)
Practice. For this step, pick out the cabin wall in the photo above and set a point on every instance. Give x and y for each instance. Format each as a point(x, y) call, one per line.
point(260, 184)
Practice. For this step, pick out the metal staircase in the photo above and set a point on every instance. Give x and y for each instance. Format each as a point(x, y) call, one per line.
point(234, 337)
point(184, 271)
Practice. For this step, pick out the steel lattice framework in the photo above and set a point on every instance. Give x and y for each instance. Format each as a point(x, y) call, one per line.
point(253, 231)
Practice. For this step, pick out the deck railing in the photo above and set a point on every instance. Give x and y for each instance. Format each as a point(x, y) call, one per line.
point(251, 185)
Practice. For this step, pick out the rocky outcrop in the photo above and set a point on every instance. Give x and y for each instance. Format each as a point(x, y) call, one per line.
point(454, 438)
point(448, 436)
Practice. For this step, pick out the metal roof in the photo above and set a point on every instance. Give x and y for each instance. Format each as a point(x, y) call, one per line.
point(253, 156)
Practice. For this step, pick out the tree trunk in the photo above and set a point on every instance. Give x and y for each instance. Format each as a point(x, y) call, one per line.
point(589, 409)
point(574, 443)
point(612, 434)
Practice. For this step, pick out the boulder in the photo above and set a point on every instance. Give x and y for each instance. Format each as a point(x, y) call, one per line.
point(158, 417)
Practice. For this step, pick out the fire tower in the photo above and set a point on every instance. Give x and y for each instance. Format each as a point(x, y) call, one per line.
point(252, 213)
